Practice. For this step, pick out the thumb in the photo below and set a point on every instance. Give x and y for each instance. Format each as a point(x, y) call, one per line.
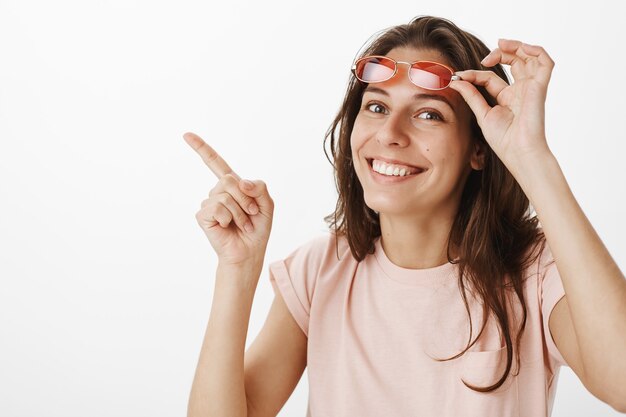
point(257, 190)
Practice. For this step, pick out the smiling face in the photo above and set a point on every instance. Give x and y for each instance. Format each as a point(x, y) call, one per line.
point(425, 132)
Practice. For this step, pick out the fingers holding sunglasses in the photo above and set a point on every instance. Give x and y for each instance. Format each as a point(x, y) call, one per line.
point(488, 79)
point(473, 98)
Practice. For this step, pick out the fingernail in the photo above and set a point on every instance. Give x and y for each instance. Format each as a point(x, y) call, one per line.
point(248, 227)
point(247, 184)
point(253, 208)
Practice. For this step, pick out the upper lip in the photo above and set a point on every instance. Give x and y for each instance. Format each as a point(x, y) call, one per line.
point(391, 161)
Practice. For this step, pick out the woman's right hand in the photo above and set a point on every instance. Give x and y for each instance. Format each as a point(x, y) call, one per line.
point(230, 209)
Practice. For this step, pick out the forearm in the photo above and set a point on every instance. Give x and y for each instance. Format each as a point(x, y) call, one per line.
point(218, 387)
point(594, 284)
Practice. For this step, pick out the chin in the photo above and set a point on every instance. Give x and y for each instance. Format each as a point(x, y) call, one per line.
point(389, 205)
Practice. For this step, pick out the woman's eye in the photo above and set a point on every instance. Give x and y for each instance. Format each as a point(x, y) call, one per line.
point(430, 115)
point(426, 115)
point(375, 105)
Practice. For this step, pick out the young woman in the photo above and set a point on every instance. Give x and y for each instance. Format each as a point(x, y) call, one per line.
point(436, 292)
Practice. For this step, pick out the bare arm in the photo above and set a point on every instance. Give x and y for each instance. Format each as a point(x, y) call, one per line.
point(594, 313)
point(218, 386)
point(595, 317)
point(237, 219)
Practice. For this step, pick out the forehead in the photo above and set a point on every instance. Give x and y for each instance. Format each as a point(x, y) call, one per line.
point(408, 54)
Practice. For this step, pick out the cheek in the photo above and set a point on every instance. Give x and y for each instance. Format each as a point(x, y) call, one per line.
point(357, 140)
point(446, 159)
point(363, 128)
point(357, 164)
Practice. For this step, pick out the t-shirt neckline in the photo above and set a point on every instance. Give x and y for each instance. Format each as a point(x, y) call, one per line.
point(419, 277)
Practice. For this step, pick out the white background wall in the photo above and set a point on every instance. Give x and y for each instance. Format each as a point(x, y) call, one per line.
point(106, 278)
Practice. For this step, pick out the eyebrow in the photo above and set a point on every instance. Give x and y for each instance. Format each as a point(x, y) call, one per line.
point(416, 96)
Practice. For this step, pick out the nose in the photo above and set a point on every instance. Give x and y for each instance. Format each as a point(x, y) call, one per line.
point(394, 131)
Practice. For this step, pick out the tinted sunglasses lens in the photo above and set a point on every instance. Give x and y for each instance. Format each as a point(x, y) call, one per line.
point(374, 69)
point(430, 75)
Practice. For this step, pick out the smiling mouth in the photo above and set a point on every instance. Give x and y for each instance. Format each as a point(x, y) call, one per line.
point(393, 170)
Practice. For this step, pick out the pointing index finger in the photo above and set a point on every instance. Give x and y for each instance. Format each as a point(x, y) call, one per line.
point(210, 157)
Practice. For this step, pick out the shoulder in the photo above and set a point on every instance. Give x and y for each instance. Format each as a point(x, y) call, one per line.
point(538, 258)
point(321, 259)
point(322, 252)
point(544, 276)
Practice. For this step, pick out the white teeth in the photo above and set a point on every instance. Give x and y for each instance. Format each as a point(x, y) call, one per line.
point(387, 169)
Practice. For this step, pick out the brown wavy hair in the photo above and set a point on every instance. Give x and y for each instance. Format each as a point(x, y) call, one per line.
point(493, 231)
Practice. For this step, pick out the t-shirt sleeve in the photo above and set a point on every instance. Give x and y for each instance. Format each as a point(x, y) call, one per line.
point(295, 278)
point(551, 292)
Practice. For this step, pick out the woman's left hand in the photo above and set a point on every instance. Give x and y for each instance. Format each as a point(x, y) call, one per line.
point(515, 127)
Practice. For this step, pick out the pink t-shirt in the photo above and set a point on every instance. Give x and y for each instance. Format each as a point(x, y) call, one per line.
point(371, 327)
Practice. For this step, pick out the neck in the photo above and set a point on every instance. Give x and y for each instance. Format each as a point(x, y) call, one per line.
point(416, 243)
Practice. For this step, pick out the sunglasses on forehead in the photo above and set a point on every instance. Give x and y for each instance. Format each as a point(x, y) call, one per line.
point(425, 74)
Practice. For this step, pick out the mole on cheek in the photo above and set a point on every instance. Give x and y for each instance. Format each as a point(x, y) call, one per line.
point(427, 149)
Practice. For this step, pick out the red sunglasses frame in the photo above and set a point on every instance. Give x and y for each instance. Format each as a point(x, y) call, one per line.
point(395, 70)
